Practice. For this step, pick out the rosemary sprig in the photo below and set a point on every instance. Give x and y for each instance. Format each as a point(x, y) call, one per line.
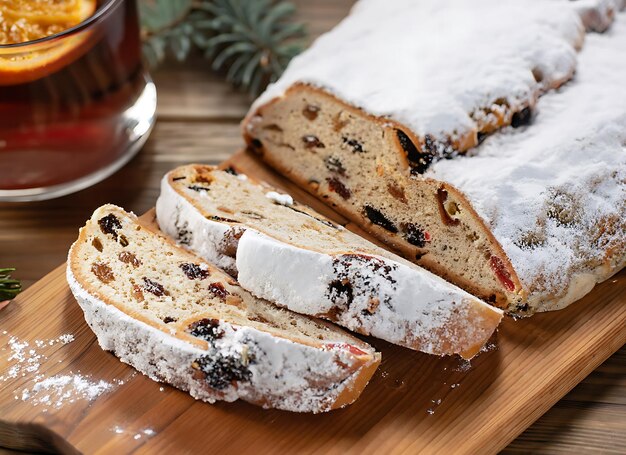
point(9, 287)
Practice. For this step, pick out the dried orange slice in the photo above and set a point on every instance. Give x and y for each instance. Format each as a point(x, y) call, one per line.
point(22, 21)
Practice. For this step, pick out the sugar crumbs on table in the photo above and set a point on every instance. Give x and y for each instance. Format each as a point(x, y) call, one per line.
point(25, 361)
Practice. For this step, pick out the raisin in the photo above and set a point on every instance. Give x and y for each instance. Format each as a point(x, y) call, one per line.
point(207, 329)
point(442, 196)
point(168, 319)
point(341, 290)
point(222, 369)
point(415, 235)
point(110, 224)
point(97, 244)
point(338, 187)
point(129, 258)
point(231, 170)
point(218, 290)
point(480, 137)
point(521, 118)
point(123, 240)
point(197, 188)
point(310, 111)
point(103, 272)
point(397, 192)
point(418, 160)
point(377, 217)
point(503, 275)
point(137, 293)
point(523, 308)
point(356, 145)
point(257, 144)
point(194, 271)
point(311, 141)
point(334, 165)
point(154, 287)
point(412, 153)
point(230, 241)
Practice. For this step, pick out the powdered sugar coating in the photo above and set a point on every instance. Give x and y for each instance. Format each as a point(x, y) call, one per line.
point(433, 65)
point(597, 15)
point(205, 237)
point(285, 375)
point(386, 299)
point(279, 198)
point(554, 193)
point(309, 271)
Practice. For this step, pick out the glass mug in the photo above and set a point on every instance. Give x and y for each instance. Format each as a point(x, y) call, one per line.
point(74, 106)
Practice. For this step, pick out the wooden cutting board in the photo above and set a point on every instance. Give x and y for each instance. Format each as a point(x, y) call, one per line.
point(414, 402)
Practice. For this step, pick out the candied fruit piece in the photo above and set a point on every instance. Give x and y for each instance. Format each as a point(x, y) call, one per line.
point(503, 275)
point(335, 185)
point(345, 346)
point(442, 197)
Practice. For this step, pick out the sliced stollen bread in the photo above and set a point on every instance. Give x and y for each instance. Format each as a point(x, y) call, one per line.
point(288, 253)
point(180, 320)
point(530, 220)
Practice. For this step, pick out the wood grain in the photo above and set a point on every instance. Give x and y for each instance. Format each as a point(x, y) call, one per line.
point(415, 402)
point(198, 121)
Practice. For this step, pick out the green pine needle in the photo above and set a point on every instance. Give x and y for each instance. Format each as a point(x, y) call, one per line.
point(9, 287)
point(249, 41)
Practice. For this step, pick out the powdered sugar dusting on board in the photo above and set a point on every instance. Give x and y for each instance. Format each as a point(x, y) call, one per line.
point(24, 359)
point(554, 193)
point(57, 390)
point(449, 59)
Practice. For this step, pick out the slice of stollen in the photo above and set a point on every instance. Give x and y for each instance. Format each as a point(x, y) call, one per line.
point(289, 254)
point(180, 320)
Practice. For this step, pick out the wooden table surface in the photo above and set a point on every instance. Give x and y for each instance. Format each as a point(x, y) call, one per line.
point(199, 122)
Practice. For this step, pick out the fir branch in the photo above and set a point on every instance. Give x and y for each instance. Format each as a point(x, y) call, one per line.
point(249, 41)
point(9, 287)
